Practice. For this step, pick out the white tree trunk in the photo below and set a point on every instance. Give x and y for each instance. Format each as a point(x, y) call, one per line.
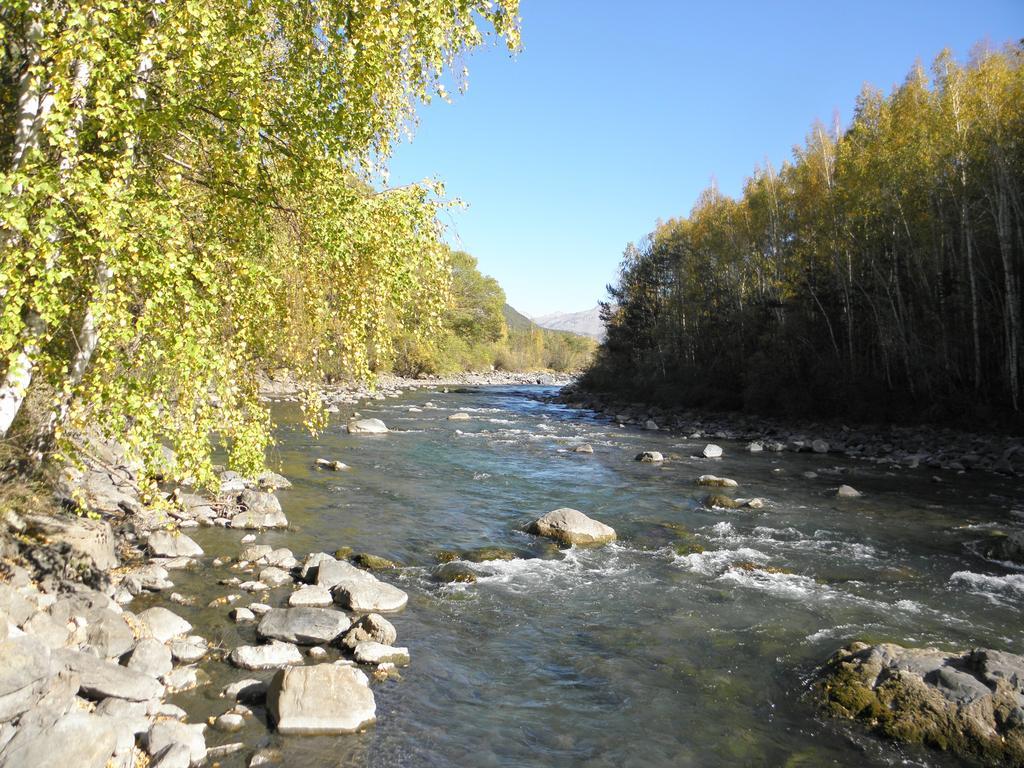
point(33, 107)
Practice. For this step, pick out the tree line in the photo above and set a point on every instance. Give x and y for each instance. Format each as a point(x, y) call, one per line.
point(479, 331)
point(185, 193)
point(876, 274)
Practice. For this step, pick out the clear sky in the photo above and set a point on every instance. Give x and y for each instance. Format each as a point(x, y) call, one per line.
point(616, 114)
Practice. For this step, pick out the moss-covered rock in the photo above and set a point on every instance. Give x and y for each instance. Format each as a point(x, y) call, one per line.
point(446, 556)
point(373, 562)
point(721, 501)
point(967, 704)
point(452, 573)
point(480, 554)
point(749, 565)
point(341, 553)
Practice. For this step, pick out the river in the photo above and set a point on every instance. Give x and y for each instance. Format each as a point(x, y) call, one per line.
point(640, 653)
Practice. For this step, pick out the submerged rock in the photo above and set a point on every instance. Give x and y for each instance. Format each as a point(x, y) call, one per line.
point(650, 457)
point(570, 526)
point(332, 464)
point(967, 703)
point(455, 572)
point(1009, 548)
point(320, 699)
point(483, 554)
point(367, 427)
point(373, 562)
point(713, 481)
point(847, 492)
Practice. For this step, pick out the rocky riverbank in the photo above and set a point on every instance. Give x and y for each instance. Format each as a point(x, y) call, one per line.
point(280, 385)
point(85, 676)
point(910, 446)
point(103, 625)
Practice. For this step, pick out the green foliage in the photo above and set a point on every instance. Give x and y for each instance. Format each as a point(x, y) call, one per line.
point(192, 196)
point(878, 274)
point(475, 335)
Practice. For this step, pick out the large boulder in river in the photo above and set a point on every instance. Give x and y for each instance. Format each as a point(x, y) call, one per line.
point(367, 427)
point(260, 510)
point(321, 699)
point(1009, 548)
point(968, 703)
point(570, 526)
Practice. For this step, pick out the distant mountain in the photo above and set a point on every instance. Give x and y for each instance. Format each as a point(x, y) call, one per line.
point(585, 323)
point(516, 320)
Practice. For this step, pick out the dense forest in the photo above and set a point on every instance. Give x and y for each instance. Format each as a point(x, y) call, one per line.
point(877, 274)
point(187, 191)
point(479, 331)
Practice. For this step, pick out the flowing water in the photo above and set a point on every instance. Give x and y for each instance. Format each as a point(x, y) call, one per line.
point(633, 654)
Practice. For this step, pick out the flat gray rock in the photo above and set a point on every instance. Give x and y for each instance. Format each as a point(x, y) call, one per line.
point(173, 544)
point(163, 624)
point(306, 626)
point(330, 573)
point(310, 597)
point(321, 699)
point(271, 656)
point(99, 679)
point(570, 526)
point(190, 649)
point(367, 427)
point(76, 740)
point(275, 577)
point(165, 733)
point(25, 666)
point(369, 652)
point(369, 596)
point(109, 635)
point(150, 657)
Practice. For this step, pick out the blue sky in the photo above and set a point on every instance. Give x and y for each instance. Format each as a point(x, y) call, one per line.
point(616, 114)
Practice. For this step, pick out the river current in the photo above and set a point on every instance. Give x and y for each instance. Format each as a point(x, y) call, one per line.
point(646, 652)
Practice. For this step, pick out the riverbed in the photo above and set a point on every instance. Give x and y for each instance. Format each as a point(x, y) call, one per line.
point(688, 642)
